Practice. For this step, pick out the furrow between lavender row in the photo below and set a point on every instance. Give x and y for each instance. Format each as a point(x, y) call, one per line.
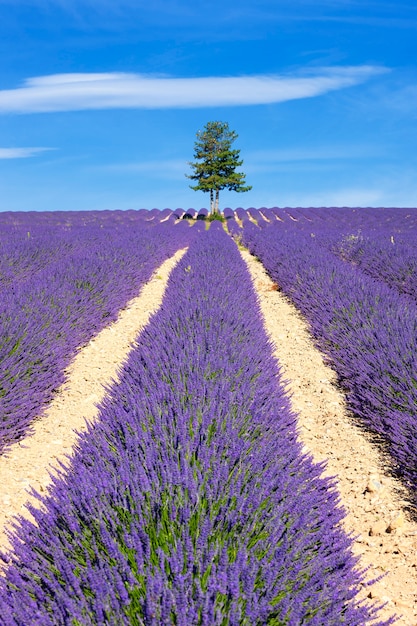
point(189, 501)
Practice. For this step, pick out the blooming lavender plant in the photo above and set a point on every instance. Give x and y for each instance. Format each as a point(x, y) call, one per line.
point(190, 502)
point(367, 329)
point(59, 286)
point(390, 257)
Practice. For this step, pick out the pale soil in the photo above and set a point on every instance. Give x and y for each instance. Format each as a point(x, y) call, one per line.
point(374, 501)
point(29, 463)
point(367, 493)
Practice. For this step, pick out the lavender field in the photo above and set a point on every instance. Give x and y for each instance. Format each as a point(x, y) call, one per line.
point(62, 278)
point(352, 274)
point(190, 500)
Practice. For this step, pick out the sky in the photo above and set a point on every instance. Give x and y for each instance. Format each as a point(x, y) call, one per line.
point(101, 100)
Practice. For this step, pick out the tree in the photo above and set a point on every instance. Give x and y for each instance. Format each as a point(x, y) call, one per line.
point(216, 163)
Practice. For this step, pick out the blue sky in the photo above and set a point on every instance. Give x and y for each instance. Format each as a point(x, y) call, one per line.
point(100, 101)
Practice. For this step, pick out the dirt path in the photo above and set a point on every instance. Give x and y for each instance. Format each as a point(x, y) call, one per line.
point(387, 540)
point(28, 463)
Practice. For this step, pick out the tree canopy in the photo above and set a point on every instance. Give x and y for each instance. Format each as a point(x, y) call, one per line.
point(216, 162)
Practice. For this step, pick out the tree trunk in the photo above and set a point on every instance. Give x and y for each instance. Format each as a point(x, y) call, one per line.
point(211, 202)
point(216, 205)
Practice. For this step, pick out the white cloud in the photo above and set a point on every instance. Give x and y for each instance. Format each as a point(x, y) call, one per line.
point(20, 153)
point(319, 153)
point(70, 92)
point(163, 168)
point(320, 159)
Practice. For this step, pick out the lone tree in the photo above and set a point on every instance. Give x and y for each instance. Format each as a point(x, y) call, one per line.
point(216, 163)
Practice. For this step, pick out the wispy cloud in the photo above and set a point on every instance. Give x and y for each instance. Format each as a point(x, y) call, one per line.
point(319, 159)
point(402, 99)
point(162, 168)
point(319, 153)
point(71, 92)
point(20, 153)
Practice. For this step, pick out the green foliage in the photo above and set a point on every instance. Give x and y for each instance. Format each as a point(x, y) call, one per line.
point(216, 216)
point(216, 163)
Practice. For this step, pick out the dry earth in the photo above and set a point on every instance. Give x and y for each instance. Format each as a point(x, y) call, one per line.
point(386, 539)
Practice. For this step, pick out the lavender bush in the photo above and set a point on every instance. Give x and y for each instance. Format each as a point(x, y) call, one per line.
point(63, 277)
point(379, 241)
point(234, 229)
point(390, 258)
point(190, 502)
point(367, 329)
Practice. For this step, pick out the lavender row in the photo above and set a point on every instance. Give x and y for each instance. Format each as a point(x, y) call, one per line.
point(68, 281)
point(190, 502)
point(345, 219)
point(390, 258)
point(379, 241)
point(31, 241)
point(367, 329)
